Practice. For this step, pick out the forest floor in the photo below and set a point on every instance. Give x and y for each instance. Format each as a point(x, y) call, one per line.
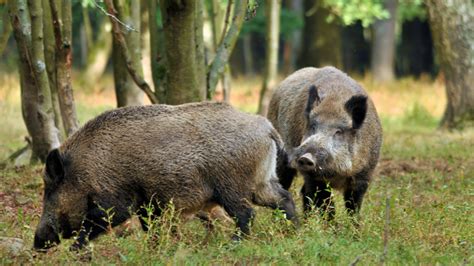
point(418, 210)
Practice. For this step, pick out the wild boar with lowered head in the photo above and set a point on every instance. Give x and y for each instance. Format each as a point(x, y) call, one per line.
point(196, 155)
point(332, 135)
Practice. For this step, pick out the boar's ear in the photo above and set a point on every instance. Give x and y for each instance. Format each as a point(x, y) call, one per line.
point(54, 167)
point(313, 97)
point(356, 106)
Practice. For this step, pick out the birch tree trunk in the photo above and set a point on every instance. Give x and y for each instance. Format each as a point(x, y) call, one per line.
point(383, 45)
point(272, 14)
point(35, 94)
point(126, 91)
point(452, 28)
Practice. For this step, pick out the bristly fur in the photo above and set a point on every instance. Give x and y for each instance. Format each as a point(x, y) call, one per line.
point(345, 162)
point(196, 155)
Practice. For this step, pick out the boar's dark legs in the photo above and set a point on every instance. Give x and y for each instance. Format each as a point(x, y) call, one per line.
point(354, 194)
point(96, 222)
point(317, 193)
point(238, 208)
point(284, 172)
point(145, 218)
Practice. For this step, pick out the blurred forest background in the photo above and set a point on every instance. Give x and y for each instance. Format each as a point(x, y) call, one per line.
point(183, 51)
point(64, 62)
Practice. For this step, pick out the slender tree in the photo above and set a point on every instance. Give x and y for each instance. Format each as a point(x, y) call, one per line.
point(383, 45)
point(272, 14)
point(35, 92)
point(157, 54)
point(226, 46)
point(452, 28)
point(126, 91)
point(62, 25)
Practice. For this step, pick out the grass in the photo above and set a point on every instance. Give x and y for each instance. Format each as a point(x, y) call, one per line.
point(426, 175)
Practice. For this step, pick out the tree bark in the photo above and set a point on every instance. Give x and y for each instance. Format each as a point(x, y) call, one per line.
point(120, 40)
point(452, 28)
point(248, 54)
point(383, 45)
point(321, 39)
point(182, 78)
point(35, 95)
point(200, 58)
point(216, 14)
point(62, 31)
point(50, 59)
point(272, 14)
point(224, 50)
point(127, 93)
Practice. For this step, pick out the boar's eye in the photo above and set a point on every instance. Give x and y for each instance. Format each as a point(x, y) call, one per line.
point(338, 132)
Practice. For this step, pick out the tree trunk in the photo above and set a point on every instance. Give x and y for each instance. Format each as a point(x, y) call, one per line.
point(62, 25)
point(383, 47)
point(199, 42)
point(126, 91)
point(321, 39)
point(272, 14)
point(247, 54)
point(292, 44)
point(216, 14)
point(226, 46)
point(35, 95)
point(356, 49)
point(50, 59)
point(452, 28)
point(182, 78)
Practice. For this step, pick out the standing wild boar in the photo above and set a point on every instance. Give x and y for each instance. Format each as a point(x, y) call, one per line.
point(195, 155)
point(332, 135)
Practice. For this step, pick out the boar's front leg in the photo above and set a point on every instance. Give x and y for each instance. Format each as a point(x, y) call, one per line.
point(354, 193)
point(94, 224)
point(317, 193)
point(285, 172)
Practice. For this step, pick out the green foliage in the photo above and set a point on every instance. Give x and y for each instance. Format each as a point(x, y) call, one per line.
point(350, 11)
point(290, 21)
point(410, 9)
point(419, 116)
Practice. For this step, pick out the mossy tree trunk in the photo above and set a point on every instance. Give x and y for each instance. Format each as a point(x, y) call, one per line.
point(183, 83)
point(272, 14)
point(158, 56)
point(383, 45)
point(321, 39)
point(452, 28)
point(126, 91)
point(37, 109)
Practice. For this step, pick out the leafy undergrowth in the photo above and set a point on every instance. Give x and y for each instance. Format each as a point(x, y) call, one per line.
point(425, 175)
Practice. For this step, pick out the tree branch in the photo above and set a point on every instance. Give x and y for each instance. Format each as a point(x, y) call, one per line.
point(126, 53)
point(225, 48)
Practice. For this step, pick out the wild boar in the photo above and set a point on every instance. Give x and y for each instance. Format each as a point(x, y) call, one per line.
point(332, 135)
point(196, 155)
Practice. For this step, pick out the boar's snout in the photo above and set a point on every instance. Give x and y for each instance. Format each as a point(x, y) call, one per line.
point(45, 237)
point(306, 161)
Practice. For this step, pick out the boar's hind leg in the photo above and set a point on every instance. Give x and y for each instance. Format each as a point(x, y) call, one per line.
point(317, 193)
point(354, 194)
point(238, 208)
point(272, 195)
